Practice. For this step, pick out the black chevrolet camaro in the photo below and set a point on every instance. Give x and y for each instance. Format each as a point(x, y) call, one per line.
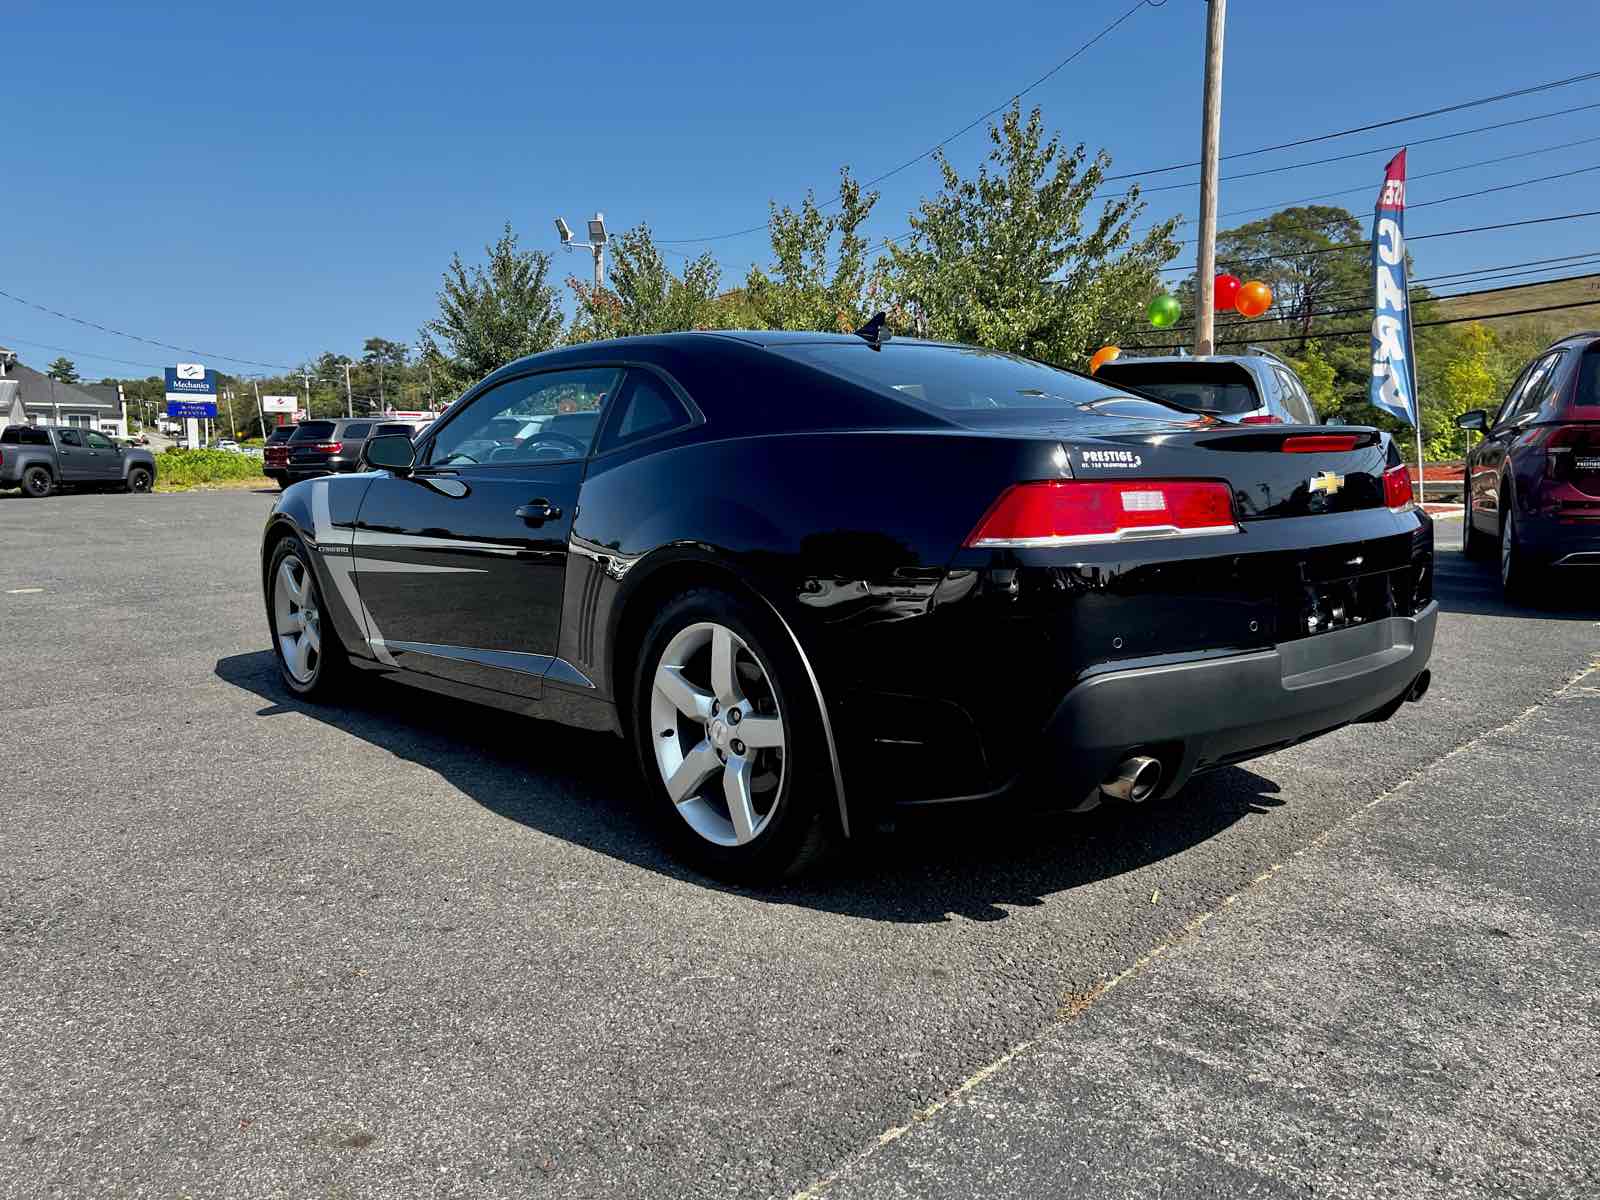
point(812, 578)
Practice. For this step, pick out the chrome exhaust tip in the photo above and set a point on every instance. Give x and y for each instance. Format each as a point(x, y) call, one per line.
point(1419, 686)
point(1135, 780)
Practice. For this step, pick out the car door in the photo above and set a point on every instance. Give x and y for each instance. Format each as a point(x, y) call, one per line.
point(461, 564)
point(73, 456)
point(1488, 457)
point(105, 460)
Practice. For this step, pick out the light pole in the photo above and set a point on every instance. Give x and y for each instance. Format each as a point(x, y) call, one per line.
point(597, 243)
point(349, 402)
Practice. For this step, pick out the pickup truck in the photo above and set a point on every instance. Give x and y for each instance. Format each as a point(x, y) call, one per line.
point(40, 458)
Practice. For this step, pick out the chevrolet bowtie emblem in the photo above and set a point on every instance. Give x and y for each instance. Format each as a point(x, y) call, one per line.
point(1327, 481)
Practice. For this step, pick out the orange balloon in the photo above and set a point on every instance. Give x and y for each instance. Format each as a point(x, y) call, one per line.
point(1254, 299)
point(1102, 356)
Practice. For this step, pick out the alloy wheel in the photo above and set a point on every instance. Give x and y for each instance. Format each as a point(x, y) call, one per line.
point(1508, 544)
point(139, 481)
point(297, 619)
point(718, 736)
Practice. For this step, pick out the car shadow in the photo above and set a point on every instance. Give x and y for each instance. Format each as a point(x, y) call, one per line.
point(1471, 586)
point(937, 864)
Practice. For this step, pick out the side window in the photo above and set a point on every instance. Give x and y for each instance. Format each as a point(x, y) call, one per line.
point(1526, 386)
point(70, 437)
point(551, 417)
point(98, 441)
point(647, 407)
point(1293, 404)
point(1538, 395)
point(356, 432)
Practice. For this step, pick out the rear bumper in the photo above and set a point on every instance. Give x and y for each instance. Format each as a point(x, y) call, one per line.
point(1202, 714)
point(1552, 540)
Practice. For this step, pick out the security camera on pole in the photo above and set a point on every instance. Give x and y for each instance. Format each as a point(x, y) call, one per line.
point(597, 243)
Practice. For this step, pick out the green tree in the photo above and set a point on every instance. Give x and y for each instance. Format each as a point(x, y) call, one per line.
point(1467, 377)
point(645, 295)
point(63, 370)
point(1011, 260)
point(494, 313)
point(1312, 258)
point(1318, 375)
point(818, 276)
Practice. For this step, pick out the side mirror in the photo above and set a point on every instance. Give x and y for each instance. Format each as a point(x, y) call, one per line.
point(390, 452)
point(1473, 419)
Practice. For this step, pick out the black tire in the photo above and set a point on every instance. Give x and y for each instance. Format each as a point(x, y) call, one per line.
point(37, 483)
point(798, 831)
point(330, 666)
point(1519, 572)
point(141, 480)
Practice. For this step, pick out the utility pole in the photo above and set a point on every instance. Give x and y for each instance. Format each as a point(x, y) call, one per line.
point(1210, 142)
point(260, 414)
point(233, 425)
point(349, 401)
point(306, 375)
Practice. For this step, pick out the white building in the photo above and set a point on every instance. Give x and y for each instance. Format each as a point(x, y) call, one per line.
point(47, 401)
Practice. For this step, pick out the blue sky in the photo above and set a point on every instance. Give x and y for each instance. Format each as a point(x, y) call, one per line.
point(272, 181)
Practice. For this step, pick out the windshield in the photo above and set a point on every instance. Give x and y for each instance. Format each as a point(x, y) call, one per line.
point(1210, 386)
point(962, 383)
point(313, 431)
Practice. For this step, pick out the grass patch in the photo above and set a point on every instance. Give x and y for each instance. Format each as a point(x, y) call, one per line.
point(180, 470)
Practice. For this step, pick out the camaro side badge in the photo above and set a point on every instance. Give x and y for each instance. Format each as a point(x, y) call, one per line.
point(1110, 458)
point(1327, 481)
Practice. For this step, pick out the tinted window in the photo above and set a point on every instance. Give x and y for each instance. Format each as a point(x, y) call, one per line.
point(70, 437)
point(356, 432)
point(281, 434)
point(956, 382)
point(1225, 388)
point(534, 418)
point(1588, 393)
point(387, 430)
point(648, 407)
point(1295, 401)
point(34, 437)
point(98, 441)
point(10, 435)
point(313, 431)
point(1540, 385)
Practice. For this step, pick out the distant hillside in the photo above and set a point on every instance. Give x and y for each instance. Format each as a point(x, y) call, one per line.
point(1584, 289)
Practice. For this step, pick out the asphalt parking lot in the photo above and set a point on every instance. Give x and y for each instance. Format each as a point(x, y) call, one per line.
point(408, 948)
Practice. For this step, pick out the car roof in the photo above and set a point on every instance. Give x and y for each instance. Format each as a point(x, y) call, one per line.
point(1241, 359)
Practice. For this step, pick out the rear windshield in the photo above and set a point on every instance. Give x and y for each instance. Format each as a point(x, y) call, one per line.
point(282, 434)
point(389, 430)
point(15, 434)
point(1210, 387)
point(313, 431)
point(962, 383)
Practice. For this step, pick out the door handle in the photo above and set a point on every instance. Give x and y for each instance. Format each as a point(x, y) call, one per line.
point(537, 512)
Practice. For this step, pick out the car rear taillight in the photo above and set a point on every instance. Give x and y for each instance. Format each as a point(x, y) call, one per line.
point(1397, 488)
point(1573, 450)
point(1261, 419)
point(1320, 443)
point(329, 447)
point(1068, 512)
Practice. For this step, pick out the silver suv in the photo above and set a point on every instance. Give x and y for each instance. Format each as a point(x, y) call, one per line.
point(1257, 388)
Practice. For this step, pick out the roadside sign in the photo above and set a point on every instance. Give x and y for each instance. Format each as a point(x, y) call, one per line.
point(279, 404)
point(191, 391)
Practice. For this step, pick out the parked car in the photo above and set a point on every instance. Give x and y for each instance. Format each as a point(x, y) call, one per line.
point(41, 458)
point(1533, 482)
point(225, 444)
point(1257, 388)
point(326, 448)
point(815, 578)
point(275, 455)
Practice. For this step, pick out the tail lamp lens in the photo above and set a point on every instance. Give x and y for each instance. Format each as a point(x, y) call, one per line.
point(1069, 512)
point(1263, 419)
point(1397, 488)
point(330, 447)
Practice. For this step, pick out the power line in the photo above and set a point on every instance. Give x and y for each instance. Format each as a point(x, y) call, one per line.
point(1367, 332)
point(940, 145)
point(1504, 187)
point(1367, 186)
point(1419, 237)
point(137, 338)
point(1548, 85)
point(84, 354)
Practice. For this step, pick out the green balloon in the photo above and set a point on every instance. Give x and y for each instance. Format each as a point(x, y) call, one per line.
point(1165, 310)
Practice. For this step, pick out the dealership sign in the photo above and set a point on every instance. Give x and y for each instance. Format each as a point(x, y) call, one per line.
point(280, 404)
point(191, 391)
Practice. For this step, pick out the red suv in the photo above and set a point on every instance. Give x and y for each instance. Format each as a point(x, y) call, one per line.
point(275, 454)
point(1533, 482)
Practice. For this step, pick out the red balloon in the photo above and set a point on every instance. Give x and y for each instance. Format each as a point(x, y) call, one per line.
point(1225, 292)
